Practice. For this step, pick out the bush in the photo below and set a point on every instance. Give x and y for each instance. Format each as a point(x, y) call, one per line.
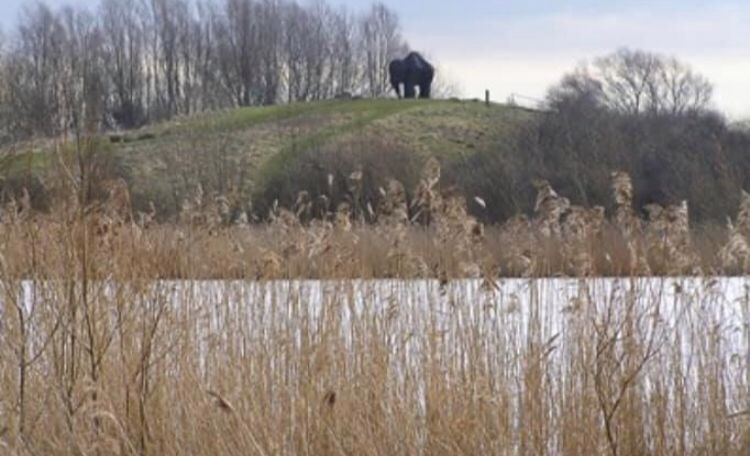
point(326, 171)
point(693, 156)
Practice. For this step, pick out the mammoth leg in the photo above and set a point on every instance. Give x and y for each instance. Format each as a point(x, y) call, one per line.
point(425, 83)
point(409, 90)
point(397, 87)
point(396, 75)
point(424, 90)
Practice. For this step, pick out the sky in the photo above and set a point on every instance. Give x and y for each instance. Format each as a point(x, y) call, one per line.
point(523, 46)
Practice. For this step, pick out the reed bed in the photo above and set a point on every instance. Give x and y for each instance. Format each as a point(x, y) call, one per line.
point(558, 366)
point(428, 235)
point(327, 335)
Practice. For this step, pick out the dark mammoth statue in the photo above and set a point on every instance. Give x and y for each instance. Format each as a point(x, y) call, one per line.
point(413, 71)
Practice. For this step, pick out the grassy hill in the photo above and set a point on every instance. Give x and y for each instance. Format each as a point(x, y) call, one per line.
point(255, 156)
point(239, 151)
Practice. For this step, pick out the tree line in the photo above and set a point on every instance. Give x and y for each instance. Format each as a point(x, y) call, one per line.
point(130, 62)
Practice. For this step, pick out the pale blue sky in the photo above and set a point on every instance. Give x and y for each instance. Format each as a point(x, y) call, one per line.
point(523, 46)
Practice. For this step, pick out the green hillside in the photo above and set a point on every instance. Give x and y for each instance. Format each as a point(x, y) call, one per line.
point(238, 151)
point(257, 156)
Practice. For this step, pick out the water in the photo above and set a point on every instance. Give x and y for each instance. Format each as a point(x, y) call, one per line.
point(513, 309)
point(687, 328)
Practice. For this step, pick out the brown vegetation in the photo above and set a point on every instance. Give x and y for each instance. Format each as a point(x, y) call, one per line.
point(99, 357)
point(421, 234)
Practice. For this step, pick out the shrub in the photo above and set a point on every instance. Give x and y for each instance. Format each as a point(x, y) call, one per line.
point(331, 174)
point(694, 156)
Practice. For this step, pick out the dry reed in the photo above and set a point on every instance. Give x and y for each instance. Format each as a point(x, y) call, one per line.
point(110, 343)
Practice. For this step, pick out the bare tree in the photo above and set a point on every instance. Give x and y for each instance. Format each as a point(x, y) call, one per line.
point(308, 52)
point(188, 33)
point(630, 80)
point(82, 87)
point(124, 54)
point(344, 71)
point(295, 23)
point(269, 45)
point(680, 89)
point(136, 61)
point(318, 52)
point(204, 42)
point(35, 64)
point(5, 112)
point(236, 31)
point(577, 89)
point(381, 40)
point(636, 82)
point(167, 17)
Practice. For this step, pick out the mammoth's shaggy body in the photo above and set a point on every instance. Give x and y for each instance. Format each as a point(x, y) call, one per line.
point(413, 71)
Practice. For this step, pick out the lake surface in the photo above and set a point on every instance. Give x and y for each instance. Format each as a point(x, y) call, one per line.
point(694, 333)
point(685, 308)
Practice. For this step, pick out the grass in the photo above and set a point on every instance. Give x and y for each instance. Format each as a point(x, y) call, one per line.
point(254, 144)
point(359, 118)
point(25, 162)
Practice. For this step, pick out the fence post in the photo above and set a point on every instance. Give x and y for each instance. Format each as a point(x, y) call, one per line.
point(487, 97)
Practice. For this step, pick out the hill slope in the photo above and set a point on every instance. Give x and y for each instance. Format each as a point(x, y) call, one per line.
point(238, 151)
point(257, 156)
